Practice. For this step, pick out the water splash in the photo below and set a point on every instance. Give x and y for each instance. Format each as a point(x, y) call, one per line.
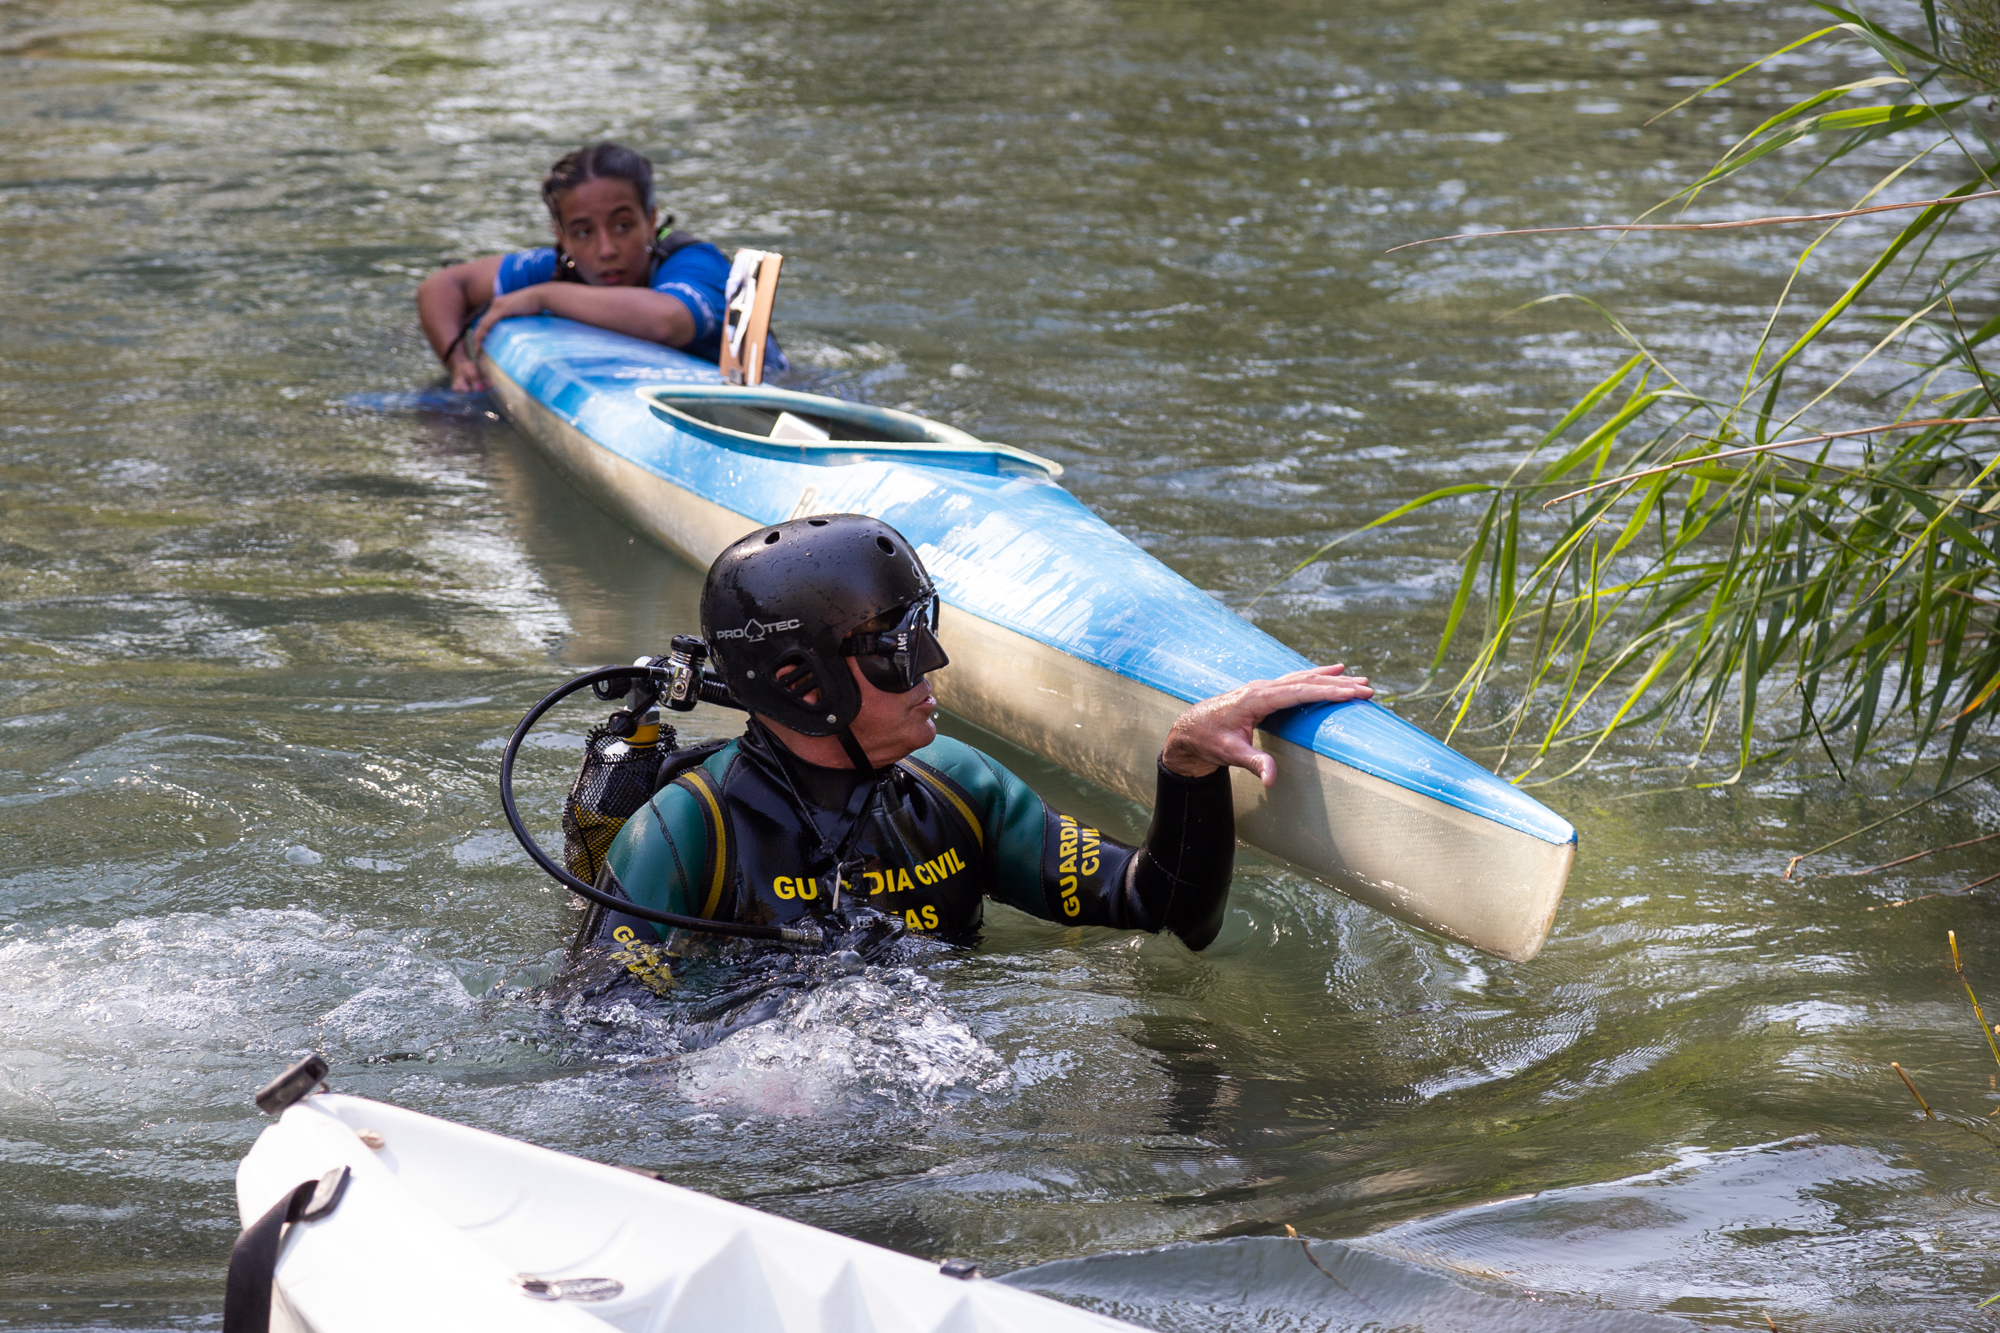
point(209, 1003)
point(885, 1038)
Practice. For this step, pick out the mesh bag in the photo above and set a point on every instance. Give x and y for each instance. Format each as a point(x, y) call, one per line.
point(609, 790)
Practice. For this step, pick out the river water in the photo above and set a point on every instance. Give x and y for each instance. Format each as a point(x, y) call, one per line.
point(266, 619)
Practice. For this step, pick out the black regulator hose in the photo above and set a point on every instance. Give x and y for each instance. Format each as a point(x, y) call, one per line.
point(808, 934)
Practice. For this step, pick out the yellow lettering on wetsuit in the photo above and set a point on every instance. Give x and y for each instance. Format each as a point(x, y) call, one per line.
point(788, 888)
point(927, 920)
point(643, 961)
point(940, 867)
point(1077, 849)
point(900, 880)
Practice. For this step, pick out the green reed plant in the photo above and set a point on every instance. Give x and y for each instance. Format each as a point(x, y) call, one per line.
point(1793, 579)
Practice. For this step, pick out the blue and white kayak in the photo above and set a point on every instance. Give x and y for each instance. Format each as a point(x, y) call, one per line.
point(1065, 638)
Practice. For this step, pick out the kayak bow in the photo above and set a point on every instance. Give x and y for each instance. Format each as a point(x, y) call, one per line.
point(436, 1226)
point(1065, 638)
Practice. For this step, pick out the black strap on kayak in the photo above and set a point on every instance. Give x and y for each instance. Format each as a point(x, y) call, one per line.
point(253, 1260)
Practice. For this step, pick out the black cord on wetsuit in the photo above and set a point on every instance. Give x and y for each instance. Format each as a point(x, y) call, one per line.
point(838, 855)
point(713, 692)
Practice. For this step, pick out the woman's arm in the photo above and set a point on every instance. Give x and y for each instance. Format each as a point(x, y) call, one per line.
point(444, 299)
point(639, 311)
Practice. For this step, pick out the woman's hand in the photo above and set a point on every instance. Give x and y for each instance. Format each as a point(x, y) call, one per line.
point(444, 299)
point(527, 301)
point(1216, 733)
point(465, 376)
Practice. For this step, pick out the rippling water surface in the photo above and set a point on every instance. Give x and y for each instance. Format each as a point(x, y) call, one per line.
point(267, 612)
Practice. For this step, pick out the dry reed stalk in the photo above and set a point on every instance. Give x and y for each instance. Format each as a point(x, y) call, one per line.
point(1868, 828)
point(1928, 1113)
point(1306, 1246)
point(1932, 851)
point(1774, 446)
point(1985, 1028)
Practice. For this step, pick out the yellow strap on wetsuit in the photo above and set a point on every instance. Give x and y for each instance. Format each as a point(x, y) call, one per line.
point(945, 788)
point(702, 785)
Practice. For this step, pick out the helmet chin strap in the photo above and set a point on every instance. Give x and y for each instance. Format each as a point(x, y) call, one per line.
point(855, 753)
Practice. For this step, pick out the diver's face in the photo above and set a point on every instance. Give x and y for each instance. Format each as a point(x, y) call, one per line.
point(892, 726)
point(889, 726)
point(604, 227)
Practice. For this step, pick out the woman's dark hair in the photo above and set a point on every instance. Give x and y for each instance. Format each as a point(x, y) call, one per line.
point(597, 161)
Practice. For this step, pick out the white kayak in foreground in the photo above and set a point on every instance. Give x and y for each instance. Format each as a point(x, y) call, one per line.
point(441, 1227)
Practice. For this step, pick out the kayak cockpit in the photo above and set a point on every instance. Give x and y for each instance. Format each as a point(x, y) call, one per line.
point(828, 432)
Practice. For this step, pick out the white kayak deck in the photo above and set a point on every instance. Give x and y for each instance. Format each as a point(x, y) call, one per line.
point(437, 1223)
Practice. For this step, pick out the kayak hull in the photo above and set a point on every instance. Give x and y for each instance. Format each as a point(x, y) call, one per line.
point(1061, 635)
point(436, 1224)
point(1422, 861)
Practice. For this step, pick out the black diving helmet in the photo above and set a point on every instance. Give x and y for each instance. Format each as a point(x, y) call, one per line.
point(784, 605)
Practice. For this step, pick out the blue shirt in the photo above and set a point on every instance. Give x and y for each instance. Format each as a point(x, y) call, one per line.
point(694, 275)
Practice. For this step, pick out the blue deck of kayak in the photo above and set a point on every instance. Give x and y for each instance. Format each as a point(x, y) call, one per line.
point(1070, 580)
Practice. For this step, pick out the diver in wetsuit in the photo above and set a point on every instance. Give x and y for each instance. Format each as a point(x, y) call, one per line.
point(841, 794)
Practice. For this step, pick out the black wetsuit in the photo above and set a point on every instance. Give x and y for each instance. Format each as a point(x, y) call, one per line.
point(755, 834)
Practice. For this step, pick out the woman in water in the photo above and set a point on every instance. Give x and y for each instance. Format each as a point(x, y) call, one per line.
point(608, 267)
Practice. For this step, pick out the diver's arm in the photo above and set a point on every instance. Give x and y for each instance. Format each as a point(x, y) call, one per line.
point(1179, 877)
point(638, 311)
point(1051, 866)
point(1176, 880)
point(444, 299)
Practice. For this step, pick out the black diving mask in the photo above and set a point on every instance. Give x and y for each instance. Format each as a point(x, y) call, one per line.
point(896, 661)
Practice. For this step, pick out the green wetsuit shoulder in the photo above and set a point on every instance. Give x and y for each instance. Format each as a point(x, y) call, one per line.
point(1010, 815)
point(661, 854)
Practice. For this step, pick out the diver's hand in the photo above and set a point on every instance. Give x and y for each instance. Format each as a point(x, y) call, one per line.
point(527, 301)
point(1216, 733)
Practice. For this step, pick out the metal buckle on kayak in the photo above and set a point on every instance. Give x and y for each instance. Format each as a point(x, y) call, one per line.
point(569, 1288)
point(325, 1195)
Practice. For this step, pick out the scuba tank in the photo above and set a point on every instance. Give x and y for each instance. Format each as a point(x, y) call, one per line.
point(615, 783)
point(626, 761)
point(621, 765)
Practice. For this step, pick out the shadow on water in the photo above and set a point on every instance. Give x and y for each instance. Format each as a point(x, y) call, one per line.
point(626, 596)
point(1204, 1099)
